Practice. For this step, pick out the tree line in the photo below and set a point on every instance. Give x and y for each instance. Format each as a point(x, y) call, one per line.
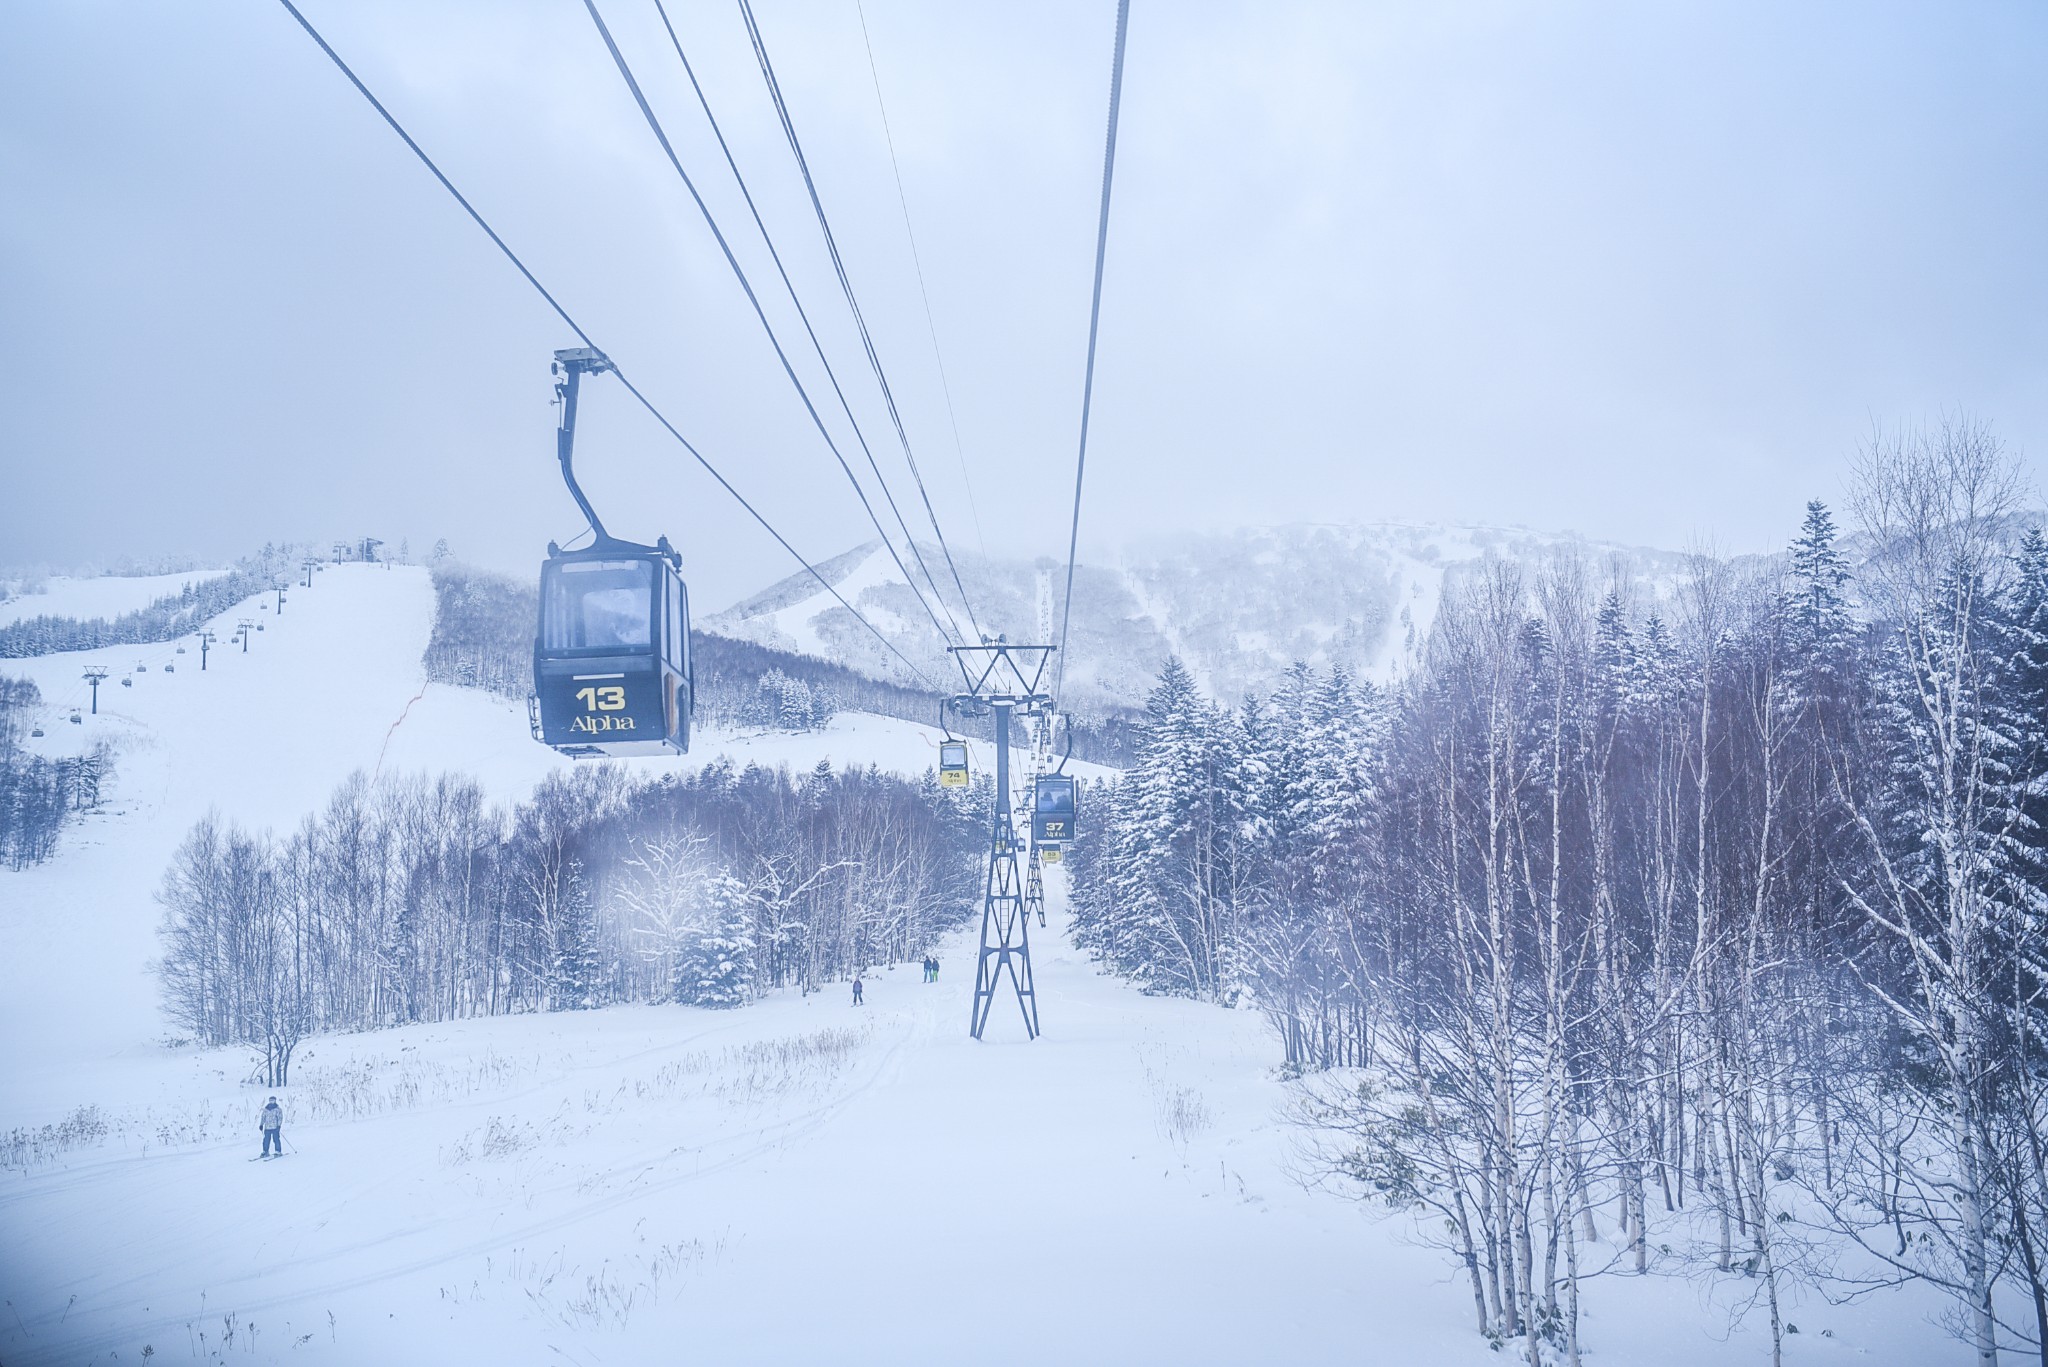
point(39, 794)
point(165, 619)
point(416, 899)
point(1721, 907)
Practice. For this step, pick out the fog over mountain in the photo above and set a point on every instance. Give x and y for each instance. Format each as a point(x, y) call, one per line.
point(1235, 606)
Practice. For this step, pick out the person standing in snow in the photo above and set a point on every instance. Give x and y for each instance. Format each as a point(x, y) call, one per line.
point(272, 1125)
point(856, 989)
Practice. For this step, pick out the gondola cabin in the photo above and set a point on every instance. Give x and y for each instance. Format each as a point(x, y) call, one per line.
point(1053, 811)
point(611, 665)
point(953, 764)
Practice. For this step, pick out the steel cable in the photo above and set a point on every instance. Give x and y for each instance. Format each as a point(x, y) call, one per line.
point(585, 337)
point(661, 136)
point(1116, 86)
point(852, 303)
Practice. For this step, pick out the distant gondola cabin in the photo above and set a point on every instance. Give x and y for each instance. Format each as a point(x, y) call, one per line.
point(1053, 810)
point(953, 763)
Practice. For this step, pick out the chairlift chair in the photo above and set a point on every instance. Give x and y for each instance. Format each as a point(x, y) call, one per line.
point(37, 731)
point(77, 720)
point(127, 682)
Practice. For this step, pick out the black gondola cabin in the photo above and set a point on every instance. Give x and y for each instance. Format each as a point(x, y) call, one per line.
point(611, 665)
point(953, 764)
point(1053, 811)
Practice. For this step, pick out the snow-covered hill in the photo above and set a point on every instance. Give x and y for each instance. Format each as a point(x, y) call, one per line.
point(1237, 607)
point(101, 596)
point(795, 1181)
point(262, 737)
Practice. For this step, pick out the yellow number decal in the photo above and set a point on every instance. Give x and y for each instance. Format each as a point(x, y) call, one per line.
point(608, 699)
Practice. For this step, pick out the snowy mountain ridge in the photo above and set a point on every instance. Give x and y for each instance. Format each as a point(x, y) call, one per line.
point(1236, 606)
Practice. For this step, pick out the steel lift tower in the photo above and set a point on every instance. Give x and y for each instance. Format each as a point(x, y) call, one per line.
point(1006, 680)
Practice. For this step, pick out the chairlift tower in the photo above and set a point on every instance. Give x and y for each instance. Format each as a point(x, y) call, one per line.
point(93, 675)
point(205, 644)
point(1005, 680)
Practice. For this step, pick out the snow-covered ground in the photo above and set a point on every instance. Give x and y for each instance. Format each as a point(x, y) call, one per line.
point(106, 596)
point(797, 1181)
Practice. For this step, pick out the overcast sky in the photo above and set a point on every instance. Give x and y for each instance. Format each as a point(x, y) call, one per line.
point(1645, 271)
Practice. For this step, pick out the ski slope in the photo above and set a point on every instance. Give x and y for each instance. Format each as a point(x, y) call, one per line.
point(797, 1181)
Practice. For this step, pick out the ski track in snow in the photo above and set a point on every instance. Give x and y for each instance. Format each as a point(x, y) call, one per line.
point(925, 1199)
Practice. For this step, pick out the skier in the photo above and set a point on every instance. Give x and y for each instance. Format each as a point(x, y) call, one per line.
point(272, 1125)
point(856, 989)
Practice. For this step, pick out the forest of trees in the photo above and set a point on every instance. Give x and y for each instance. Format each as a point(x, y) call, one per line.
point(418, 900)
point(38, 794)
point(1617, 926)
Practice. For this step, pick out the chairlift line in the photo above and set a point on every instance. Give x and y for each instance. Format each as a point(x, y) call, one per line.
point(853, 304)
point(576, 328)
point(1116, 87)
point(746, 285)
point(917, 262)
point(831, 375)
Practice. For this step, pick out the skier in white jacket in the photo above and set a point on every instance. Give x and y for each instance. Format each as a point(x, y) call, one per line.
point(272, 1125)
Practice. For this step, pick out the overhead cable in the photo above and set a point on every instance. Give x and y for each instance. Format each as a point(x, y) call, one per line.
point(1116, 86)
point(931, 326)
point(789, 288)
point(661, 136)
point(852, 304)
point(585, 337)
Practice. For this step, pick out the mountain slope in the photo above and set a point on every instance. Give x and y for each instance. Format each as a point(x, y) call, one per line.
point(1237, 607)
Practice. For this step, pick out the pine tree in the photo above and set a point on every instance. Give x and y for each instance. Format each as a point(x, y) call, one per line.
point(717, 967)
point(1614, 658)
point(575, 972)
point(1819, 626)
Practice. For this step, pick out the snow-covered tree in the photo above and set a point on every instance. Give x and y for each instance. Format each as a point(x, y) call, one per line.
point(716, 967)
